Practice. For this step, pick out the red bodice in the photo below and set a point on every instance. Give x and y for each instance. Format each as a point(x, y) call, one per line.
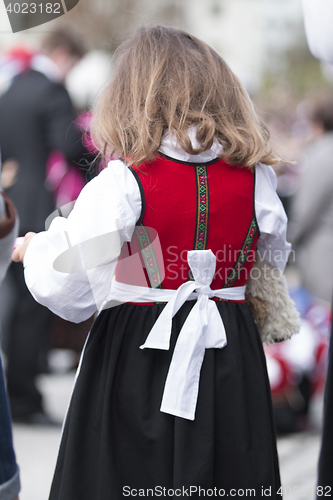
point(191, 206)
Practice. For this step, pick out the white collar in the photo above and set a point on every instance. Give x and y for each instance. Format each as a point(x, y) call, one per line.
point(172, 149)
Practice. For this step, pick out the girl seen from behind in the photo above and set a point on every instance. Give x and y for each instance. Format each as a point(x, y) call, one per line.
point(172, 391)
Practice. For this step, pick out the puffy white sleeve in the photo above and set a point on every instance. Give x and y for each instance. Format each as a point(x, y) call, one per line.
point(318, 19)
point(271, 218)
point(70, 267)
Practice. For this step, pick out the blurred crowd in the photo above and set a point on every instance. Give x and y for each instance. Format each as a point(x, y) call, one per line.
point(297, 369)
point(45, 163)
point(46, 153)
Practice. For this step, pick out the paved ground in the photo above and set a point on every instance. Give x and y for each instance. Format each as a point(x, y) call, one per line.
point(298, 461)
point(36, 449)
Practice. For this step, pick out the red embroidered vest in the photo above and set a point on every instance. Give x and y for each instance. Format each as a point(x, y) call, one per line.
point(190, 206)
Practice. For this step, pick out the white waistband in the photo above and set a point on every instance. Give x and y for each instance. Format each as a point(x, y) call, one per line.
point(141, 294)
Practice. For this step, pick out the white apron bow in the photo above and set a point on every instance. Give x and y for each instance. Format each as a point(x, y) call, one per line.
point(203, 329)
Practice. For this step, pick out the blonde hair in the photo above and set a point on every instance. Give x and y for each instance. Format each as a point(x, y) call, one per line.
point(166, 80)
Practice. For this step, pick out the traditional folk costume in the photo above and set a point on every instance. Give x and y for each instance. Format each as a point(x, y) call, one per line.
point(172, 391)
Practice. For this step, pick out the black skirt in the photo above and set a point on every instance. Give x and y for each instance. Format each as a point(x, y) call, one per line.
point(117, 443)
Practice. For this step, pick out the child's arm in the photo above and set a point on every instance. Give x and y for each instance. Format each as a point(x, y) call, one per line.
point(70, 267)
point(272, 219)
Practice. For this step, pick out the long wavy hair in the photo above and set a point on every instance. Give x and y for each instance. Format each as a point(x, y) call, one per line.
point(166, 81)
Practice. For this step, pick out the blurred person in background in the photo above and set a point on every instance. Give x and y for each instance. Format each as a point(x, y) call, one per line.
point(311, 226)
point(9, 473)
point(36, 118)
point(318, 17)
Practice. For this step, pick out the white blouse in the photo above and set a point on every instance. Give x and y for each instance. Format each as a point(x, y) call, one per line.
point(70, 267)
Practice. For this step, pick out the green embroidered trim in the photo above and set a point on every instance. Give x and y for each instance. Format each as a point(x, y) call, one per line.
point(201, 225)
point(243, 255)
point(201, 229)
point(149, 256)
